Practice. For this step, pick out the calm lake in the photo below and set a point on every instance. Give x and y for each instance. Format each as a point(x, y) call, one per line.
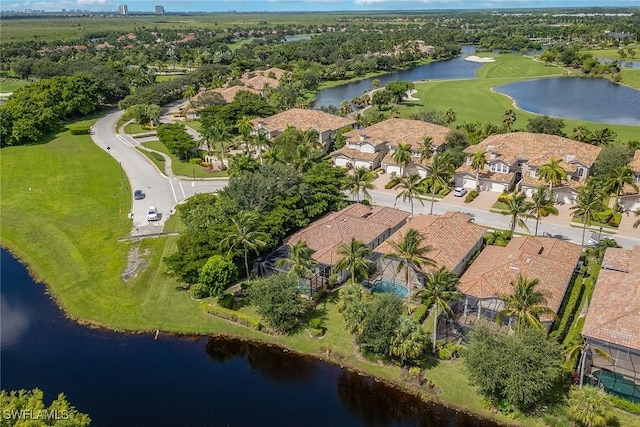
point(132, 380)
point(594, 100)
point(456, 68)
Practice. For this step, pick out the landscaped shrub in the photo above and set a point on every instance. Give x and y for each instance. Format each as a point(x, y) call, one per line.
point(389, 185)
point(79, 130)
point(568, 310)
point(199, 291)
point(471, 195)
point(448, 351)
point(315, 327)
point(503, 198)
point(615, 219)
point(234, 316)
point(195, 161)
point(226, 301)
point(624, 404)
point(419, 313)
point(157, 156)
point(444, 353)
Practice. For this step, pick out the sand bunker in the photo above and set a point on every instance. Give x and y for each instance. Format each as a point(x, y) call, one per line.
point(474, 58)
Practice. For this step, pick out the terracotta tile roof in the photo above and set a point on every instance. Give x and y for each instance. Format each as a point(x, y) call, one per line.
point(538, 149)
point(326, 234)
point(635, 163)
point(452, 236)
point(394, 131)
point(259, 82)
point(485, 174)
point(388, 160)
point(355, 154)
point(229, 93)
point(614, 313)
point(529, 181)
point(304, 120)
point(551, 261)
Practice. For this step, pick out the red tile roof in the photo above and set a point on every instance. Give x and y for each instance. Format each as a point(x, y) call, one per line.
point(614, 312)
point(551, 261)
point(303, 120)
point(395, 131)
point(358, 221)
point(452, 236)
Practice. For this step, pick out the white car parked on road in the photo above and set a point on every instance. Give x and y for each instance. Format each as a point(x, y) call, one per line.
point(152, 214)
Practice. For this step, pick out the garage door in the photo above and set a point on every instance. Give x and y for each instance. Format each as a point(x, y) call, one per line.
point(498, 187)
point(631, 203)
point(341, 161)
point(360, 164)
point(393, 168)
point(469, 182)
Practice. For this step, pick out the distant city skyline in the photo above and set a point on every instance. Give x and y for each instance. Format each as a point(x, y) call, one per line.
point(175, 6)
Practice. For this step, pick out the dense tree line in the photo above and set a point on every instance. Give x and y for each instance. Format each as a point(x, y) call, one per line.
point(36, 109)
point(283, 199)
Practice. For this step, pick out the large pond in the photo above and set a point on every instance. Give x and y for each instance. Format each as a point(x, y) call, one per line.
point(134, 380)
point(594, 100)
point(456, 68)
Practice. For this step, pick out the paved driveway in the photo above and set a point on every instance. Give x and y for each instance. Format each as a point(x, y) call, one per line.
point(161, 191)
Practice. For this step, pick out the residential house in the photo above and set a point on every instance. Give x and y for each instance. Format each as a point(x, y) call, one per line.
point(325, 235)
point(551, 261)
point(612, 323)
point(251, 81)
point(514, 160)
point(630, 198)
point(453, 237)
point(375, 145)
point(324, 123)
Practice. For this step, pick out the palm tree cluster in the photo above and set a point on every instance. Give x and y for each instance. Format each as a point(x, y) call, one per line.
point(600, 137)
point(525, 304)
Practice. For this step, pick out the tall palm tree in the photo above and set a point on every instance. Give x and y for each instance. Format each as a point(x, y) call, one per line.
point(525, 304)
point(244, 127)
point(426, 149)
point(518, 208)
point(360, 182)
point(588, 205)
point(221, 134)
point(402, 155)
point(411, 188)
point(260, 141)
point(617, 179)
point(602, 136)
point(409, 340)
point(478, 162)
point(581, 133)
point(299, 261)
point(354, 257)
point(439, 290)
point(582, 348)
point(508, 118)
point(542, 205)
point(352, 304)
point(440, 173)
point(552, 173)
point(311, 138)
point(449, 116)
point(244, 237)
point(274, 155)
point(411, 253)
point(241, 163)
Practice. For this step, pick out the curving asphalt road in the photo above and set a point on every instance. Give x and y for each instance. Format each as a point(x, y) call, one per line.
point(161, 191)
point(166, 192)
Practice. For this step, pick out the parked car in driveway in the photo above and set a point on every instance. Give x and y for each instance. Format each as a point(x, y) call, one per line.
point(152, 214)
point(138, 195)
point(459, 191)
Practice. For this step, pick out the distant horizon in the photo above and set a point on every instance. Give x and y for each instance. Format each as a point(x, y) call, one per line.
point(241, 6)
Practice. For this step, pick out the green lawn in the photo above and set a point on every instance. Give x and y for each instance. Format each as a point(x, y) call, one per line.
point(613, 54)
point(182, 168)
point(473, 99)
point(10, 85)
point(631, 77)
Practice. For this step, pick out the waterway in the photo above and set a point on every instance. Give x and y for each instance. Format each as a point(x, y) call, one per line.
point(594, 100)
point(455, 68)
point(134, 380)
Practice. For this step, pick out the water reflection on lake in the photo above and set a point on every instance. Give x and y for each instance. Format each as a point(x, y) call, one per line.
point(594, 100)
point(134, 380)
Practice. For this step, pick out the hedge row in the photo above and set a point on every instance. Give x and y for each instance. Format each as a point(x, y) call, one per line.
point(568, 311)
point(624, 404)
point(79, 130)
point(471, 195)
point(234, 316)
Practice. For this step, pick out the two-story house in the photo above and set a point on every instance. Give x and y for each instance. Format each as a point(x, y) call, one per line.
point(514, 160)
point(375, 145)
point(302, 119)
point(630, 197)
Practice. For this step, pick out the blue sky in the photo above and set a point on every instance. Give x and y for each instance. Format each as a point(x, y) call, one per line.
point(297, 5)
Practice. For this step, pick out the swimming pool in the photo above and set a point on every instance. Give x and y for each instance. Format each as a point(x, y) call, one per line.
point(384, 285)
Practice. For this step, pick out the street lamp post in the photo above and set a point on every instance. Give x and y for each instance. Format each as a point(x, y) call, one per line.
point(600, 235)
